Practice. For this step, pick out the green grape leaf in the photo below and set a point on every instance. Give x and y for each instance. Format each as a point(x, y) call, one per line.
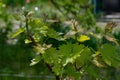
point(43, 30)
point(69, 52)
point(84, 57)
point(53, 34)
point(21, 30)
point(110, 56)
point(71, 72)
point(57, 69)
point(51, 56)
point(92, 70)
point(64, 55)
point(38, 27)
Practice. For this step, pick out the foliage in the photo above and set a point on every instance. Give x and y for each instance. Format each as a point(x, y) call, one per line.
point(78, 50)
point(71, 59)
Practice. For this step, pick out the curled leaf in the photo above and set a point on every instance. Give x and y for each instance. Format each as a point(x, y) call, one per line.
point(111, 39)
point(98, 63)
point(30, 13)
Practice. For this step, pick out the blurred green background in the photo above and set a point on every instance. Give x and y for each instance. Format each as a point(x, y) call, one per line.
point(15, 55)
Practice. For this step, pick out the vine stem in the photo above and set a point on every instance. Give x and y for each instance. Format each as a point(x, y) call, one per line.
point(57, 77)
point(27, 29)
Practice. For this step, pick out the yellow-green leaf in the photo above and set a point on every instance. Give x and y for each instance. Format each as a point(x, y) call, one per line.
point(83, 38)
point(37, 21)
point(21, 30)
point(27, 41)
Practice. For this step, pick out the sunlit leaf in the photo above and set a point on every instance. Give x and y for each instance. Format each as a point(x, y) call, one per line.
point(83, 38)
point(68, 60)
point(39, 49)
point(27, 41)
point(70, 52)
point(21, 30)
point(35, 60)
